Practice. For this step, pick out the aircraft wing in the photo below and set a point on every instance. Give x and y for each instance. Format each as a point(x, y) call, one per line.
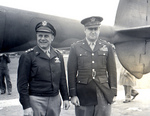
point(142, 32)
point(132, 38)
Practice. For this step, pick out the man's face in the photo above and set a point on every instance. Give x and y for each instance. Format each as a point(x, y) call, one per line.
point(44, 40)
point(92, 33)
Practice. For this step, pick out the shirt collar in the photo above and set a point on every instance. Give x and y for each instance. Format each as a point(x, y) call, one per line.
point(48, 50)
point(91, 42)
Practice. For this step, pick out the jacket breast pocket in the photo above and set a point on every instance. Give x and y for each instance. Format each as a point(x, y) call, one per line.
point(56, 67)
point(103, 57)
point(82, 57)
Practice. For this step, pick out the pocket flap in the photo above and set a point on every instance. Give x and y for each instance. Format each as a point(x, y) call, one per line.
point(82, 54)
point(103, 80)
point(103, 53)
point(82, 80)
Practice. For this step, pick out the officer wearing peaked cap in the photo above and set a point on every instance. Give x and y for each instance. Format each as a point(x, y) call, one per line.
point(41, 75)
point(92, 72)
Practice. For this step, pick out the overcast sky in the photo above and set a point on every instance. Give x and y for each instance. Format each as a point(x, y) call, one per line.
point(75, 9)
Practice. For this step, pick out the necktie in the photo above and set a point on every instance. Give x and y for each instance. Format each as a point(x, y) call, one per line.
point(92, 45)
point(48, 53)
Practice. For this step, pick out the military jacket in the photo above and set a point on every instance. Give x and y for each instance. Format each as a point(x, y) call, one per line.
point(82, 60)
point(40, 75)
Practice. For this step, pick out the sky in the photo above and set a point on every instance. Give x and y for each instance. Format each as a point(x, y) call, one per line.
point(74, 9)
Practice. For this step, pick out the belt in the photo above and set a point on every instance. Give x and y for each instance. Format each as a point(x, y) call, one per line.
point(99, 72)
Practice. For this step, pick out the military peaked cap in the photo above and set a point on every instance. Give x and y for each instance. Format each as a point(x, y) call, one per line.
point(45, 27)
point(92, 21)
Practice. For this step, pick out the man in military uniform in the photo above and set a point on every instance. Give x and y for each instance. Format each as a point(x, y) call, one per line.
point(41, 75)
point(92, 72)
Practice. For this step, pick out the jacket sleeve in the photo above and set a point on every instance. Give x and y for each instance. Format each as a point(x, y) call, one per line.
point(112, 73)
point(23, 80)
point(72, 71)
point(63, 82)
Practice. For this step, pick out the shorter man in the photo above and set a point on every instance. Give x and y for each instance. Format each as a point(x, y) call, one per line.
point(4, 74)
point(41, 75)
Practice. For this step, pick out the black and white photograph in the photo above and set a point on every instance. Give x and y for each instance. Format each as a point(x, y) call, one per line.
point(75, 58)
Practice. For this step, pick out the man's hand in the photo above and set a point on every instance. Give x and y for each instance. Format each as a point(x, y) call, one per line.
point(75, 101)
point(28, 112)
point(66, 104)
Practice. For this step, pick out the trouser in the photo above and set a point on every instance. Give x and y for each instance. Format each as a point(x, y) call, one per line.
point(129, 91)
point(46, 106)
point(4, 74)
point(101, 109)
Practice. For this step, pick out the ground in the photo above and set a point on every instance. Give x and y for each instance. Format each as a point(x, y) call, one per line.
point(10, 106)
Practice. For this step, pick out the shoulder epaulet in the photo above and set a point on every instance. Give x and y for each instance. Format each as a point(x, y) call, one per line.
point(106, 42)
point(79, 42)
point(57, 51)
point(29, 50)
point(75, 42)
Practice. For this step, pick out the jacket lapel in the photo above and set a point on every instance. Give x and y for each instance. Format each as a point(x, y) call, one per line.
point(40, 53)
point(52, 53)
point(85, 46)
point(98, 46)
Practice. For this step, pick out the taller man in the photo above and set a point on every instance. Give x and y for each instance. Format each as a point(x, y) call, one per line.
point(91, 71)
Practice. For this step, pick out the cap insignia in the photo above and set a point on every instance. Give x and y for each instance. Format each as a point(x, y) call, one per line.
point(44, 23)
point(92, 19)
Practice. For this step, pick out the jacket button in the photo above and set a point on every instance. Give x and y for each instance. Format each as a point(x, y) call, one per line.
point(92, 54)
point(78, 81)
point(93, 62)
point(93, 77)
